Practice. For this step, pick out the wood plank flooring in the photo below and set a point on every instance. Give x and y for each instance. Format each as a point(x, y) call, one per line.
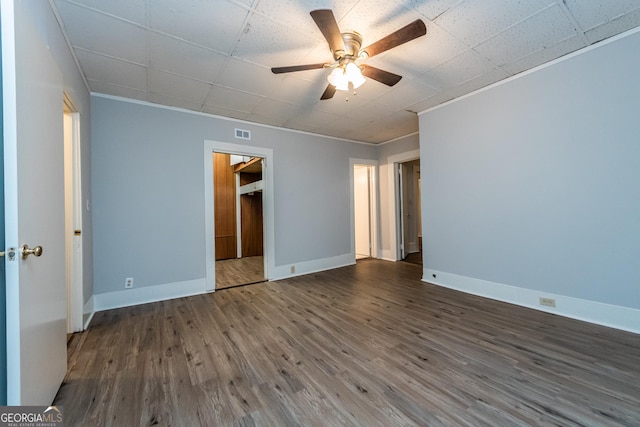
point(365, 345)
point(239, 271)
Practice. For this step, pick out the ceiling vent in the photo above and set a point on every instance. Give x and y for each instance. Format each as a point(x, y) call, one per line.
point(243, 134)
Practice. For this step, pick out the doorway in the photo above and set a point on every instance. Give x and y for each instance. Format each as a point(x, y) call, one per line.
point(364, 218)
point(409, 212)
point(268, 216)
point(238, 218)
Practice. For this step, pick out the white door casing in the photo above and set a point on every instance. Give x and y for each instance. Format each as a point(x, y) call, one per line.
point(267, 207)
point(372, 166)
point(362, 210)
point(34, 209)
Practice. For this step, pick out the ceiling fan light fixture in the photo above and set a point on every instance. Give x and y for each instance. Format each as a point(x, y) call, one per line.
point(341, 77)
point(338, 78)
point(354, 75)
point(346, 49)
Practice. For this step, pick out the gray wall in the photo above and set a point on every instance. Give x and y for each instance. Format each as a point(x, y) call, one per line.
point(535, 183)
point(47, 25)
point(148, 192)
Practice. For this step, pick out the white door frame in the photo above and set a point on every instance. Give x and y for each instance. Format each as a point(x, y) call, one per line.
point(400, 213)
point(73, 218)
point(268, 217)
point(394, 162)
point(417, 196)
point(375, 237)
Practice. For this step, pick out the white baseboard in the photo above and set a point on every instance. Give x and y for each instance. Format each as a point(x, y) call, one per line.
point(135, 296)
point(307, 267)
point(613, 316)
point(87, 313)
point(147, 294)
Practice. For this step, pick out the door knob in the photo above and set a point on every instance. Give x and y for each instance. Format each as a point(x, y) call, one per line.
point(37, 251)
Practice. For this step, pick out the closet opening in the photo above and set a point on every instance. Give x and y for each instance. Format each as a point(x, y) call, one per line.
point(238, 220)
point(409, 232)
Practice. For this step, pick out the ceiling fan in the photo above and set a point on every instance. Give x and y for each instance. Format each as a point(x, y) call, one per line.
point(346, 50)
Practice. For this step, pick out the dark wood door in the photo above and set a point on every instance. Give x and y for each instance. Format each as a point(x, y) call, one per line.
point(224, 199)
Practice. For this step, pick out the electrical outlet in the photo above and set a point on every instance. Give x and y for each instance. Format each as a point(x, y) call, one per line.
point(549, 302)
point(293, 269)
point(128, 282)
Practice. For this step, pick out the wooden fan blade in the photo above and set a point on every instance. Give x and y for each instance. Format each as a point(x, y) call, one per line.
point(405, 34)
point(380, 75)
point(329, 92)
point(291, 69)
point(325, 20)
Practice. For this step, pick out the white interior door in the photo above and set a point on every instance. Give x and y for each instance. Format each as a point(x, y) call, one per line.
point(34, 210)
point(362, 210)
point(73, 218)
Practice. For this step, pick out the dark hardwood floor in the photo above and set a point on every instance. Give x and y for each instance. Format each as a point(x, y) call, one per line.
point(366, 345)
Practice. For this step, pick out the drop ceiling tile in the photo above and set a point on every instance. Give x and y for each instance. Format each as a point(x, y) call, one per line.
point(249, 77)
point(163, 99)
point(375, 19)
point(464, 88)
point(545, 55)
point(179, 87)
point(97, 32)
point(297, 91)
point(371, 111)
point(233, 99)
point(432, 9)
point(464, 67)
point(233, 43)
point(414, 58)
point(320, 53)
point(344, 124)
point(215, 25)
point(246, 3)
point(342, 103)
point(360, 135)
point(179, 57)
point(371, 89)
point(271, 44)
point(477, 20)
point(403, 123)
point(616, 26)
point(590, 14)
point(131, 10)
point(281, 111)
point(426, 103)
point(393, 126)
point(110, 89)
point(406, 93)
point(310, 119)
point(296, 13)
point(547, 28)
point(272, 121)
point(113, 71)
point(225, 112)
